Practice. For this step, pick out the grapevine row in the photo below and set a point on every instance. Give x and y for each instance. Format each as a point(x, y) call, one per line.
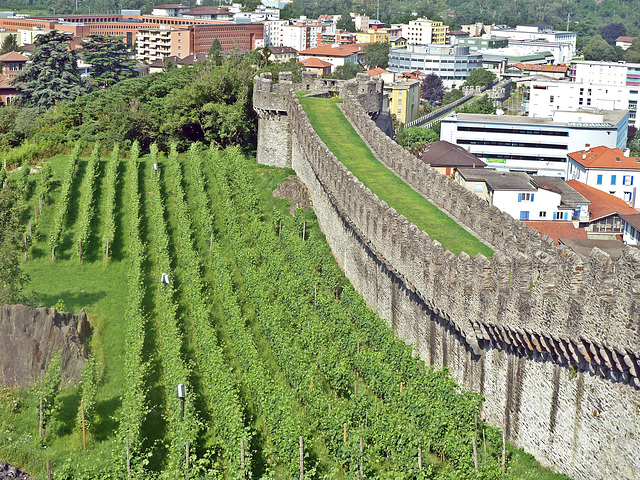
point(223, 400)
point(63, 201)
point(87, 203)
point(174, 369)
point(134, 402)
point(111, 180)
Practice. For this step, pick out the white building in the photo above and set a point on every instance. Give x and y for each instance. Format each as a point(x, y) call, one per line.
point(27, 36)
point(605, 73)
point(169, 10)
point(452, 63)
point(631, 229)
point(525, 197)
point(274, 33)
point(536, 32)
point(545, 97)
point(608, 170)
point(423, 31)
point(534, 145)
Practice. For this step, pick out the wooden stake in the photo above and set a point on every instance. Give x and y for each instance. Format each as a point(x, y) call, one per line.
point(106, 257)
point(419, 454)
point(301, 458)
point(30, 233)
point(242, 456)
point(84, 436)
point(355, 387)
point(48, 469)
point(211, 242)
point(475, 452)
point(128, 461)
point(329, 409)
point(304, 229)
point(36, 209)
point(484, 444)
point(504, 443)
point(187, 457)
point(345, 433)
point(40, 429)
point(315, 295)
point(279, 229)
point(361, 466)
point(358, 348)
point(39, 206)
point(311, 389)
point(401, 385)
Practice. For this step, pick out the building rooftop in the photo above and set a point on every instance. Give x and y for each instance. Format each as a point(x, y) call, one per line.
point(583, 247)
point(208, 11)
point(496, 180)
point(168, 6)
point(558, 230)
point(632, 219)
point(331, 51)
point(374, 72)
point(610, 119)
point(528, 67)
point(315, 63)
point(279, 50)
point(602, 203)
point(569, 196)
point(13, 57)
point(446, 154)
point(625, 39)
point(602, 157)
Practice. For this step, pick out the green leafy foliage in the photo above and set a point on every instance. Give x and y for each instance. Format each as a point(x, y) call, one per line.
point(9, 44)
point(415, 139)
point(12, 278)
point(49, 390)
point(87, 206)
point(452, 95)
point(111, 181)
point(346, 22)
point(52, 75)
point(63, 201)
point(483, 105)
point(44, 183)
point(347, 71)
point(598, 49)
point(377, 54)
point(480, 78)
point(90, 377)
point(110, 58)
point(432, 88)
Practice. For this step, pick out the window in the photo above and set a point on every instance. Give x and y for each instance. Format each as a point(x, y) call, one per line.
point(551, 99)
point(399, 110)
point(524, 215)
point(479, 188)
point(400, 101)
point(599, 180)
point(525, 197)
point(543, 215)
point(627, 180)
point(613, 179)
point(588, 101)
point(627, 196)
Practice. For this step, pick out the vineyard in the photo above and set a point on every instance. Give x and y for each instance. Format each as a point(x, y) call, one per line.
point(287, 373)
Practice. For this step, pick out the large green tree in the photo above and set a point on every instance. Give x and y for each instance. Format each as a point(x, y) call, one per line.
point(110, 59)
point(52, 75)
point(598, 49)
point(480, 78)
point(377, 54)
point(346, 22)
point(415, 139)
point(9, 44)
point(12, 278)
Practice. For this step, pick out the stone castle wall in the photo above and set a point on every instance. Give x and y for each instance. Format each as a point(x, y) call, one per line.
point(551, 339)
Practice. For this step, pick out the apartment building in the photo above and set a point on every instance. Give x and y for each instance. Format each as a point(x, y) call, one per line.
point(156, 43)
point(404, 100)
point(423, 31)
point(605, 73)
point(534, 145)
point(545, 97)
point(536, 32)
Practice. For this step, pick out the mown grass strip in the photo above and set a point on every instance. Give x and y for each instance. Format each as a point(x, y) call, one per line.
point(337, 133)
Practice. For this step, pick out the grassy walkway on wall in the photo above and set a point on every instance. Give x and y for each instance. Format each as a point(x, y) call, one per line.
point(341, 138)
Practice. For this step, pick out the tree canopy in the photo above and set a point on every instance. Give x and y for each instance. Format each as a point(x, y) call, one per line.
point(480, 78)
point(52, 75)
point(415, 139)
point(346, 22)
point(598, 49)
point(377, 54)
point(9, 44)
point(610, 32)
point(347, 71)
point(431, 88)
point(110, 57)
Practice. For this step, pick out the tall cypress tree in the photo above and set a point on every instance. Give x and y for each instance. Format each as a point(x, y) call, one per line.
point(52, 75)
point(9, 44)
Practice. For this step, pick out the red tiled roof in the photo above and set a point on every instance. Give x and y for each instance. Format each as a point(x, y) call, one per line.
point(329, 51)
point(5, 83)
point(541, 68)
point(279, 50)
point(409, 75)
point(557, 230)
point(602, 203)
point(13, 57)
point(605, 157)
point(315, 63)
point(374, 72)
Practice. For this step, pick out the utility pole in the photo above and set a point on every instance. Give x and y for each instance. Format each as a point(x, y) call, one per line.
point(568, 17)
point(378, 12)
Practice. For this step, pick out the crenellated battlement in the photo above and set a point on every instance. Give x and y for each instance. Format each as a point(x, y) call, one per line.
point(538, 328)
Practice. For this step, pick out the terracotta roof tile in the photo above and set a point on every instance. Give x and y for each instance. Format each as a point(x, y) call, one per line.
point(605, 157)
point(329, 51)
point(374, 72)
point(541, 68)
point(13, 57)
point(602, 203)
point(558, 230)
point(315, 63)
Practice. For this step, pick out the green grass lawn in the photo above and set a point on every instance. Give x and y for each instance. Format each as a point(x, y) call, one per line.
point(341, 138)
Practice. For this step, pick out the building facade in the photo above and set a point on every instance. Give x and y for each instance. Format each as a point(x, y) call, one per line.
point(534, 145)
point(545, 97)
point(452, 63)
point(605, 73)
point(404, 100)
point(423, 31)
point(536, 32)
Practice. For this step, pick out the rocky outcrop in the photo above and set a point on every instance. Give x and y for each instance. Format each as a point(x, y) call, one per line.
point(7, 472)
point(30, 337)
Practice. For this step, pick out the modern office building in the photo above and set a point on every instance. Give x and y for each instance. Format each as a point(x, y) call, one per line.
point(536, 32)
point(546, 97)
point(534, 145)
point(482, 43)
point(452, 63)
